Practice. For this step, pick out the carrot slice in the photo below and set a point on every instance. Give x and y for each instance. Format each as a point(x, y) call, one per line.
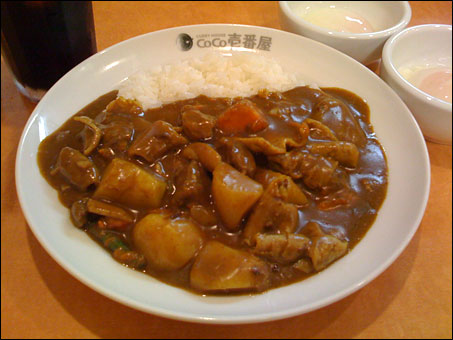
point(241, 117)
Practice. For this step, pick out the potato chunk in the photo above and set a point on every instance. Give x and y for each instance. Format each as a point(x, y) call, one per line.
point(167, 244)
point(234, 194)
point(219, 268)
point(126, 183)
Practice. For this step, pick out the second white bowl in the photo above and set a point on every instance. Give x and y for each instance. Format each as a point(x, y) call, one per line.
point(385, 17)
point(422, 46)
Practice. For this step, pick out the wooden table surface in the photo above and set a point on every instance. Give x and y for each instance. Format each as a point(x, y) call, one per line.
point(39, 299)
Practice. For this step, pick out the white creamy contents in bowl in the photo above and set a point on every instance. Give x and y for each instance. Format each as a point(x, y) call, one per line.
point(337, 19)
point(434, 80)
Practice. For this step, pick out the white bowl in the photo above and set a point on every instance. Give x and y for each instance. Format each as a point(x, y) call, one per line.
point(396, 223)
point(421, 45)
point(386, 17)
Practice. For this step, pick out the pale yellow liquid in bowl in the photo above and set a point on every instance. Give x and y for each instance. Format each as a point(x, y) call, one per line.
point(338, 19)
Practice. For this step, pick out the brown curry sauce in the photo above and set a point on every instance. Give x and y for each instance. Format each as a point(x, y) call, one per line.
point(348, 220)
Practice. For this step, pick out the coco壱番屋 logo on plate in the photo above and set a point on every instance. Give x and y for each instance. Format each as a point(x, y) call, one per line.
point(222, 40)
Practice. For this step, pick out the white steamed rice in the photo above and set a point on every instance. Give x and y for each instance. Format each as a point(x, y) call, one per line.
point(213, 75)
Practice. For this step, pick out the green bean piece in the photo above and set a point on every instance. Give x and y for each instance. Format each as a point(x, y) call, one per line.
point(116, 246)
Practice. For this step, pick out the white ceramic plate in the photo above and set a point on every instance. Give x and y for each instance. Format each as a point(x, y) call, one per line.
point(398, 219)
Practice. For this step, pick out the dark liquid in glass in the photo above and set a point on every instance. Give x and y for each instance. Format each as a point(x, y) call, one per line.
point(43, 40)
